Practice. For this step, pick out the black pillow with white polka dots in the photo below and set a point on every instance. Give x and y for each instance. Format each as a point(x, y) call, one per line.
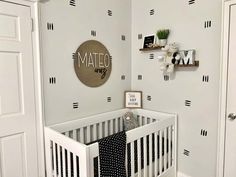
point(112, 150)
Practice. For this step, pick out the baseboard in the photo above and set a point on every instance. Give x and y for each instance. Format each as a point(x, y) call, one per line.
point(180, 174)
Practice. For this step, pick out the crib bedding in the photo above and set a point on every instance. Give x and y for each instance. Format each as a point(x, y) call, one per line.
point(154, 153)
point(112, 152)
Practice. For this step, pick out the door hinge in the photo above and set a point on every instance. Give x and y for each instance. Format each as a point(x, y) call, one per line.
point(32, 24)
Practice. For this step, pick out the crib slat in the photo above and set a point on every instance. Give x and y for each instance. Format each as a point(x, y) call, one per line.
point(74, 135)
point(156, 154)
point(121, 124)
point(63, 162)
point(145, 120)
point(88, 138)
point(59, 160)
point(74, 165)
point(139, 157)
point(106, 128)
point(111, 127)
point(150, 155)
point(67, 134)
point(99, 167)
point(54, 160)
point(116, 125)
point(172, 141)
point(68, 164)
point(81, 133)
point(169, 147)
point(132, 159)
point(95, 132)
point(165, 148)
point(145, 156)
point(160, 153)
point(100, 131)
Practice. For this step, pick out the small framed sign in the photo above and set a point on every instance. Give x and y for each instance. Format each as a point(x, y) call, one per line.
point(133, 99)
point(148, 40)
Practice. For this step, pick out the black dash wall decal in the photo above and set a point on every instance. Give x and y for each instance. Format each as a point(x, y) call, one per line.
point(203, 132)
point(109, 99)
point(207, 24)
point(191, 2)
point(166, 77)
point(109, 12)
point(151, 56)
point(149, 98)
point(52, 80)
point(123, 77)
point(123, 37)
point(205, 78)
point(152, 12)
point(186, 152)
point(140, 36)
point(93, 33)
point(50, 26)
point(188, 103)
point(72, 3)
point(140, 77)
point(75, 105)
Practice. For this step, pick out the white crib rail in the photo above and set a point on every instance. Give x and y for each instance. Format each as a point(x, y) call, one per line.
point(163, 132)
point(86, 121)
point(57, 147)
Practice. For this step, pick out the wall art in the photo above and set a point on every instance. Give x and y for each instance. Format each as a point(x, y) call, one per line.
point(133, 99)
point(92, 63)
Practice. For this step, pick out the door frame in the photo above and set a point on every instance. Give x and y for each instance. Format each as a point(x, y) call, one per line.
point(223, 86)
point(34, 8)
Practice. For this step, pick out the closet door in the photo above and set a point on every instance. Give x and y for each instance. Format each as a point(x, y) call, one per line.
point(18, 147)
point(230, 146)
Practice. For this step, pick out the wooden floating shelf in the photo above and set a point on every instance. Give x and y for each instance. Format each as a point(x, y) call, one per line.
point(196, 64)
point(150, 49)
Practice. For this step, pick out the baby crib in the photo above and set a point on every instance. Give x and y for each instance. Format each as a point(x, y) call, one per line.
point(151, 148)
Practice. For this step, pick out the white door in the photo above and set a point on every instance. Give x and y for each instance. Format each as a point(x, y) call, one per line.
point(18, 147)
point(230, 146)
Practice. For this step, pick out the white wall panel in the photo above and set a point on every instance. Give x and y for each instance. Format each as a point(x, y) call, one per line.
point(11, 83)
point(72, 25)
point(187, 24)
point(12, 154)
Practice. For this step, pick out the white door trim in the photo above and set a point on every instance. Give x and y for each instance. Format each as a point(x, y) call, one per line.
point(223, 86)
point(34, 7)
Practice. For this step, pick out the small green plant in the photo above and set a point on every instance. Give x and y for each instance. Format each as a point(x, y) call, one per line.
point(163, 33)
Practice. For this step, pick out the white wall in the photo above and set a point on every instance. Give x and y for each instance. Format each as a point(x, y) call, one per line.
point(72, 26)
point(186, 23)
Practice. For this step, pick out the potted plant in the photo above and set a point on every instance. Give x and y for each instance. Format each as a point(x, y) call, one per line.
point(162, 36)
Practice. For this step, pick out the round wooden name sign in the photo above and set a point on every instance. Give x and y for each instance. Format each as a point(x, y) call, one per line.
point(92, 63)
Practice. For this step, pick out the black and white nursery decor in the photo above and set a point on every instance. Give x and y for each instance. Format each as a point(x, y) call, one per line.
point(92, 63)
point(133, 99)
point(192, 91)
point(148, 40)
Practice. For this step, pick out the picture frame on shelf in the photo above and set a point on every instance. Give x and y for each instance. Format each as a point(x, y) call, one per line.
point(133, 99)
point(148, 40)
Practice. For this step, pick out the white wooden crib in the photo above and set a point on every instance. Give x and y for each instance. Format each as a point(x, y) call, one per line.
point(151, 146)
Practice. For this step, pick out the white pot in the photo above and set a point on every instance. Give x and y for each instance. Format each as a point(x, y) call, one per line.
point(162, 42)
